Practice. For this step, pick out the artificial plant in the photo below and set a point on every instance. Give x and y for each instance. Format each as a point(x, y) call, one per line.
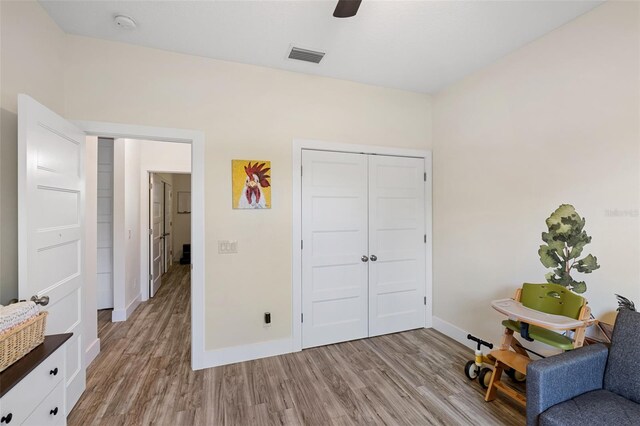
point(564, 243)
point(624, 303)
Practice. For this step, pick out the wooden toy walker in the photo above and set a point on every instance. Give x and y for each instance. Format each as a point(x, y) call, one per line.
point(476, 369)
point(548, 313)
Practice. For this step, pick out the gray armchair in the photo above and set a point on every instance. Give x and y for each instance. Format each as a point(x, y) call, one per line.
point(592, 385)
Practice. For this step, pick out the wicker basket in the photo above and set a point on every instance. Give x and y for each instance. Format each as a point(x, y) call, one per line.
point(21, 339)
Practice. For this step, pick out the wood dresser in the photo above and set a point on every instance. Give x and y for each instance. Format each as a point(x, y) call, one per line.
point(32, 391)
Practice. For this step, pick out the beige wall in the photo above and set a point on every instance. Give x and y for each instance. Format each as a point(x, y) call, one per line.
point(32, 50)
point(555, 122)
point(32, 47)
point(32, 55)
point(246, 112)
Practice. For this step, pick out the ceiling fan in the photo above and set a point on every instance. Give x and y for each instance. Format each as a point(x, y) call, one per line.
point(346, 8)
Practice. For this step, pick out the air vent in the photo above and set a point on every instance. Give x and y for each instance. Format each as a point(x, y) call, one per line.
point(306, 55)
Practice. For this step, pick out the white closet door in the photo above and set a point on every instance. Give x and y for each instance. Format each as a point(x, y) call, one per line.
point(156, 239)
point(396, 244)
point(334, 232)
point(104, 290)
point(168, 226)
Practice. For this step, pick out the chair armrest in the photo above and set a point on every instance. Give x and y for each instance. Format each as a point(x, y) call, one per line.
point(559, 378)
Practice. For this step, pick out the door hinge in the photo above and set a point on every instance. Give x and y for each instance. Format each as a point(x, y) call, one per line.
point(301, 244)
point(151, 277)
point(150, 185)
point(301, 317)
point(150, 231)
point(425, 300)
point(425, 238)
point(425, 176)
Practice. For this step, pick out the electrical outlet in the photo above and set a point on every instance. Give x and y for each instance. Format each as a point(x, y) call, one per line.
point(227, 247)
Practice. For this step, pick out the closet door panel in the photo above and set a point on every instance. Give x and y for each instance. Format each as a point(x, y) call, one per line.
point(334, 232)
point(396, 244)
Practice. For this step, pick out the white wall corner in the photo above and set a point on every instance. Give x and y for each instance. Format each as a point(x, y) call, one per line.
point(92, 352)
point(453, 331)
point(119, 315)
point(242, 353)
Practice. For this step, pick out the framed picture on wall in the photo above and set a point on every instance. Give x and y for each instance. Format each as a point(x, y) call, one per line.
point(184, 202)
point(251, 184)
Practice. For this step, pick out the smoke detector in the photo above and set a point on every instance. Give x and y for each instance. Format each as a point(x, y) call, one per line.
point(125, 22)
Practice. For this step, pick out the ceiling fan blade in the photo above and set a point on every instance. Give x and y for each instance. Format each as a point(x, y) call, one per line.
point(346, 8)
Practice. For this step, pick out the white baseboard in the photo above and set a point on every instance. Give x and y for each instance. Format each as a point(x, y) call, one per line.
point(453, 331)
point(242, 353)
point(460, 335)
point(119, 315)
point(92, 352)
point(234, 354)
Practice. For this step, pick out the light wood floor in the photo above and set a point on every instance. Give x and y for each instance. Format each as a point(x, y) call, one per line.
point(143, 376)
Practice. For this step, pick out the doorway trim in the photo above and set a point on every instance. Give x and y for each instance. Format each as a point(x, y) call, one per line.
point(298, 146)
point(197, 140)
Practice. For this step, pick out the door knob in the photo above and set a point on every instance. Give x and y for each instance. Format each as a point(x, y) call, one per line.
point(44, 300)
point(373, 257)
point(364, 258)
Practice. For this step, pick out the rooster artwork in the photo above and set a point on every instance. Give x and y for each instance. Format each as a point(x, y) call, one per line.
point(251, 184)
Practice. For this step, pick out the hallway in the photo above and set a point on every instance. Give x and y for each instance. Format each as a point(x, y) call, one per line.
point(143, 372)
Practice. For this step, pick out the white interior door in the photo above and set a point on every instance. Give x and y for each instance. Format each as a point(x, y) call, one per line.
point(156, 240)
point(396, 244)
point(168, 225)
point(104, 290)
point(51, 191)
point(334, 232)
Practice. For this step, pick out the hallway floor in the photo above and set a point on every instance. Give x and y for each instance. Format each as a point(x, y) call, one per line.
point(143, 376)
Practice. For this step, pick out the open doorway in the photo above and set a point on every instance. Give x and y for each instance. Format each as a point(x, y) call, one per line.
point(80, 158)
point(120, 133)
point(170, 225)
point(128, 236)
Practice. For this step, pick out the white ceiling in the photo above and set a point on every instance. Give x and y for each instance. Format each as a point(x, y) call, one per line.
point(420, 46)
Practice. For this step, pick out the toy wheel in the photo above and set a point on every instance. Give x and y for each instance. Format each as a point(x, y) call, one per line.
point(485, 377)
point(471, 370)
point(516, 376)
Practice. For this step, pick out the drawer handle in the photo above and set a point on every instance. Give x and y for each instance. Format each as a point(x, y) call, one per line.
point(6, 419)
point(54, 372)
point(54, 411)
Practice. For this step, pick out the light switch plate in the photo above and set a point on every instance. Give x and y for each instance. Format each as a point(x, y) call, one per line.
point(227, 247)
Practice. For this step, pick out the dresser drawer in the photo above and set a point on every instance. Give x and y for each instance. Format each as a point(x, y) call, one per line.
point(21, 401)
point(50, 412)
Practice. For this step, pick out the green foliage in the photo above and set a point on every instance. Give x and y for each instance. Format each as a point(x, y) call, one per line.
point(564, 243)
point(624, 303)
